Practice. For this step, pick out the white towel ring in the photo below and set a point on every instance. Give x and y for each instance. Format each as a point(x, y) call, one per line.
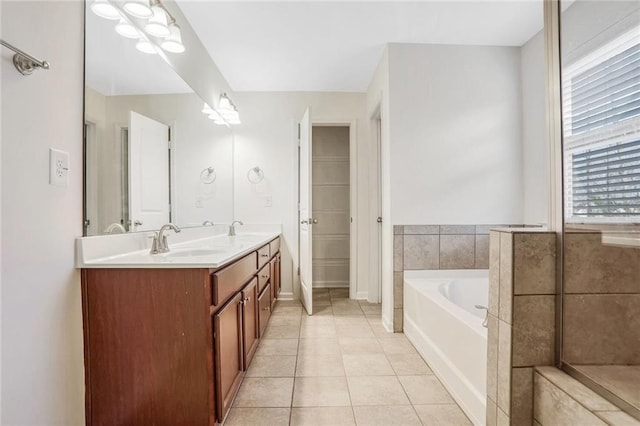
point(208, 175)
point(255, 175)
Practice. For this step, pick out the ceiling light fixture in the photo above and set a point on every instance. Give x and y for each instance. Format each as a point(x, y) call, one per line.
point(104, 9)
point(138, 8)
point(157, 25)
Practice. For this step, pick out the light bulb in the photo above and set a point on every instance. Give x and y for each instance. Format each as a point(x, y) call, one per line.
point(125, 29)
point(206, 109)
point(145, 47)
point(157, 25)
point(225, 103)
point(138, 8)
point(104, 9)
point(173, 43)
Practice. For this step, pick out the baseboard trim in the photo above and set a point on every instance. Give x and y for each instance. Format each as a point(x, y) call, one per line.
point(330, 284)
point(285, 296)
point(362, 295)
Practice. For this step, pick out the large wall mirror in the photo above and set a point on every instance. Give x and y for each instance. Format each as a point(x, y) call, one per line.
point(151, 155)
point(600, 44)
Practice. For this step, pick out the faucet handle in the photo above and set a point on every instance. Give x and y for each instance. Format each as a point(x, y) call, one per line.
point(154, 244)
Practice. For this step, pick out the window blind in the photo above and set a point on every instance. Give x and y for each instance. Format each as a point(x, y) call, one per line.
point(606, 181)
point(601, 129)
point(606, 93)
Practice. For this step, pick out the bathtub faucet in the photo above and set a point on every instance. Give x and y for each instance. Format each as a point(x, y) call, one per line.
point(485, 323)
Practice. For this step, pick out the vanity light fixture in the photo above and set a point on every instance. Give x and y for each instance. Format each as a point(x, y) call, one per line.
point(104, 9)
point(173, 43)
point(228, 110)
point(145, 46)
point(127, 30)
point(155, 29)
point(138, 8)
point(157, 25)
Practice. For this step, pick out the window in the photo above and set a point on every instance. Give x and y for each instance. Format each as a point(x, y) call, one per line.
point(601, 119)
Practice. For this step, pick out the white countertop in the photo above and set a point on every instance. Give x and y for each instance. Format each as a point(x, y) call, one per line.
point(199, 247)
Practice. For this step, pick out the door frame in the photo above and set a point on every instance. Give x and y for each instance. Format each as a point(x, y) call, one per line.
point(353, 194)
point(375, 197)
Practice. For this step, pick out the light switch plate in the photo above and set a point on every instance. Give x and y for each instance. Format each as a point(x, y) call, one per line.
point(268, 201)
point(58, 167)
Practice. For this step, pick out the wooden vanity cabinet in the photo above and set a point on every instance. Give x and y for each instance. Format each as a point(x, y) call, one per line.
point(276, 285)
point(228, 353)
point(170, 346)
point(147, 347)
point(250, 325)
point(264, 304)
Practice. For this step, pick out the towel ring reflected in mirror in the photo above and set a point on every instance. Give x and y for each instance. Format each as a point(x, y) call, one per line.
point(255, 175)
point(208, 175)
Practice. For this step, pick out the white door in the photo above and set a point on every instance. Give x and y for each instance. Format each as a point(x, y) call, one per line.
point(148, 173)
point(306, 283)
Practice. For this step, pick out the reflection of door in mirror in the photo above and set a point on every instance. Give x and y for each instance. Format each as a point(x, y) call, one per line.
point(148, 173)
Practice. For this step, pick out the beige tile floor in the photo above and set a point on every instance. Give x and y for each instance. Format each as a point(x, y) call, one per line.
point(339, 367)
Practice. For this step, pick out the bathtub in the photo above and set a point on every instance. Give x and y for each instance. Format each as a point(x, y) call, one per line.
point(442, 323)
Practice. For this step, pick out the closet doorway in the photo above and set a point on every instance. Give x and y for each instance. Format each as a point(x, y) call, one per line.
point(331, 207)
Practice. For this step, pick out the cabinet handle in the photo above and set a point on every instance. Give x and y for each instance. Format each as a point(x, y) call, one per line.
point(248, 299)
point(264, 276)
point(264, 255)
point(266, 309)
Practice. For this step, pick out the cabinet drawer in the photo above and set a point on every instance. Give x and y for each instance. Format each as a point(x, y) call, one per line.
point(231, 279)
point(274, 246)
point(263, 277)
point(264, 304)
point(263, 255)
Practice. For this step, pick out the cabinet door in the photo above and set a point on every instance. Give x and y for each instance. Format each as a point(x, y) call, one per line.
point(250, 320)
point(264, 304)
point(227, 323)
point(278, 278)
point(274, 294)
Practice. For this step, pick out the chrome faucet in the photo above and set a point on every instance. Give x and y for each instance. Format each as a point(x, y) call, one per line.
point(485, 323)
point(159, 244)
point(232, 229)
point(207, 222)
point(115, 227)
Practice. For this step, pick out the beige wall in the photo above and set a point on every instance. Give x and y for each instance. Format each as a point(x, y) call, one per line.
point(42, 355)
point(268, 138)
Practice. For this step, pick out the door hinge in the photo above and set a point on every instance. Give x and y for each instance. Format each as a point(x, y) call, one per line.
point(298, 133)
point(298, 271)
point(169, 131)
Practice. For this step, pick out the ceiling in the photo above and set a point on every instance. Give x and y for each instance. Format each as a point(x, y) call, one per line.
point(336, 46)
point(303, 45)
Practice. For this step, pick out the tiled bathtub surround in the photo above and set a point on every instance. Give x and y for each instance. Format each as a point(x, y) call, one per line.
point(522, 287)
point(436, 247)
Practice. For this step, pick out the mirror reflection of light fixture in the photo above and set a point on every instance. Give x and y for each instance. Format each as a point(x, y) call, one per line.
point(173, 43)
point(206, 109)
point(157, 25)
point(127, 30)
point(145, 47)
point(228, 110)
point(104, 9)
point(138, 8)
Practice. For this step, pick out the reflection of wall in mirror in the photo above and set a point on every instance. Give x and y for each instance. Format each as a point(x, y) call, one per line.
point(197, 143)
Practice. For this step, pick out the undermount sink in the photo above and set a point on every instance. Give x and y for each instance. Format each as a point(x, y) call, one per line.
point(193, 252)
